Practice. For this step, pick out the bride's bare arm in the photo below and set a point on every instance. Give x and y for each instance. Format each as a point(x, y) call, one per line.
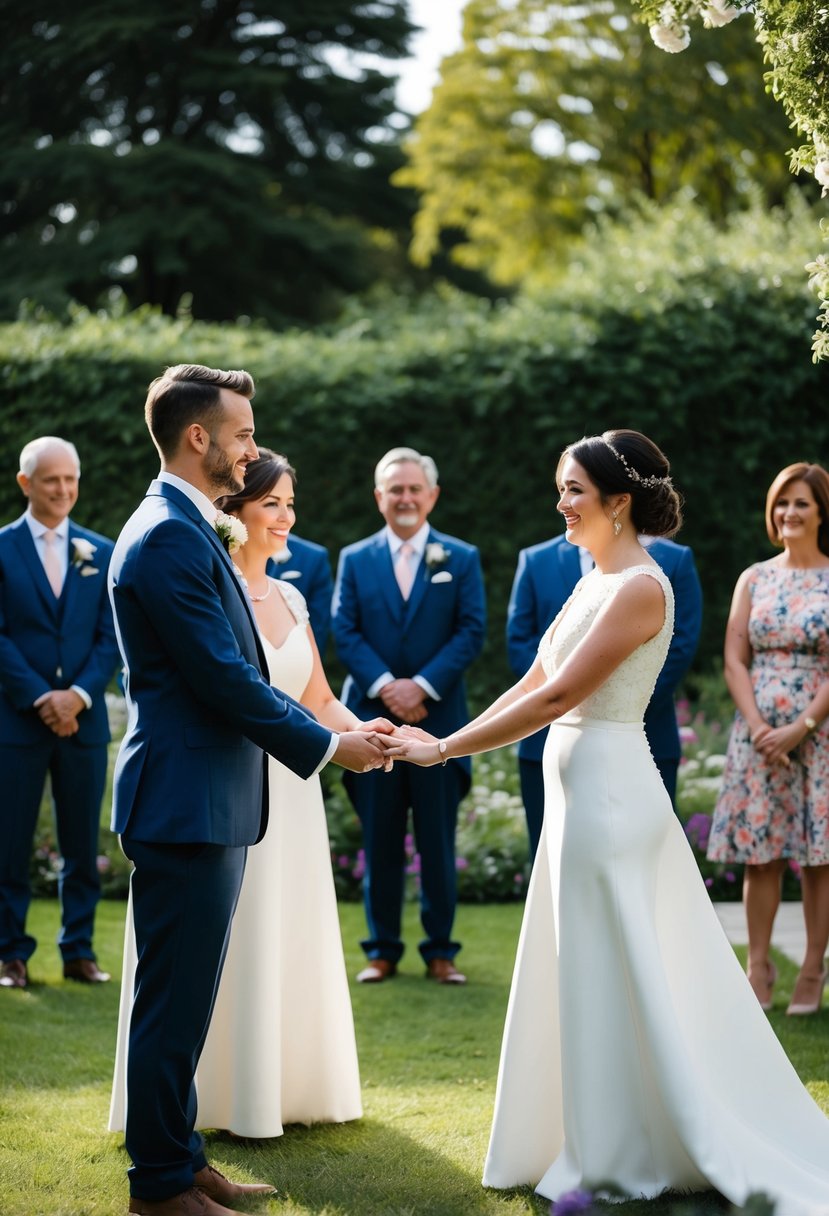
point(319, 697)
point(633, 616)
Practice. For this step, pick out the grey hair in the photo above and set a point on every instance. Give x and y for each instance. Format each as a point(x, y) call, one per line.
point(401, 455)
point(31, 454)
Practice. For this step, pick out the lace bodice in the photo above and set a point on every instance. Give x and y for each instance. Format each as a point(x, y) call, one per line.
point(625, 695)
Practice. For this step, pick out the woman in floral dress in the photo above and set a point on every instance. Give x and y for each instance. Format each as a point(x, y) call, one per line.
point(774, 802)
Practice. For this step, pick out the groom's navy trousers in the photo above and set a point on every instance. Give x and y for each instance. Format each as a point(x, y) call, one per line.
point(189, 797)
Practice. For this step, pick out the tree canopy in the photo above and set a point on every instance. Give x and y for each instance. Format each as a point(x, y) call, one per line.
point(551, 114)
point(231, 153)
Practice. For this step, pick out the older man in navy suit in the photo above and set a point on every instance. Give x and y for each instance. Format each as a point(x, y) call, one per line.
point(307, 566)
point(544, 579)
point(57, 655)
point(409, 617)
point(191, 780)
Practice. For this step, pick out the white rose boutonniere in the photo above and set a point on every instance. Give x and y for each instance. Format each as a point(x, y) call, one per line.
point(436, 555)
point(230, 530)
point(83, 552)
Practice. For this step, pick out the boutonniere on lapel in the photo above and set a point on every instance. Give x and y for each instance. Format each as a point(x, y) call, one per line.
point(435, 557)
point(230, 531)
point(83, 552)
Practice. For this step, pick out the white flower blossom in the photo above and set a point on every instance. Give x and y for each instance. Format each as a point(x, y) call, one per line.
point(822, 174)
point(718, 12)
point(435, 554)
point(670, 33)
point(84, 550)
point(231, 531)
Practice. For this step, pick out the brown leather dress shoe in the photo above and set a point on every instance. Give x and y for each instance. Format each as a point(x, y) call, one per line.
point(444, 971)
point(378, 969)
point(85, 970)
point(222, 1190)
point(13, 974)
point(192, 1202)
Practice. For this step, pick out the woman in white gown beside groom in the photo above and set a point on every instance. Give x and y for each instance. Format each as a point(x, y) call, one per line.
point(635, 1059)
point(281, 1046)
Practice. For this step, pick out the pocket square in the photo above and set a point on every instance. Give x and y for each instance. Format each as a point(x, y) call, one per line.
point(290, 574)
point(85, 571)
point(442, 576)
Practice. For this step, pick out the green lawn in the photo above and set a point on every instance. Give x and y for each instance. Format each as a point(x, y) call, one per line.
point(429, 1056)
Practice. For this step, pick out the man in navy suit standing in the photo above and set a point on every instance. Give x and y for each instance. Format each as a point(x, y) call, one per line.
point(190, 790)
point(545, 576)
point(57, 655)
point(409, 617)
point(307, 566)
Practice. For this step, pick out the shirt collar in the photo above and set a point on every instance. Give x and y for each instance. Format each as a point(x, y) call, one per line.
point(199, 500)
point(37, 528)
point(418, 541)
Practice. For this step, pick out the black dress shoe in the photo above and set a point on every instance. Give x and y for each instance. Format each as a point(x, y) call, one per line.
point(13, 974)
point(85, 970)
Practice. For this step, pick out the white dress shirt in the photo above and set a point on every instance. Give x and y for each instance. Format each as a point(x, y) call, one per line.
point(62, 552)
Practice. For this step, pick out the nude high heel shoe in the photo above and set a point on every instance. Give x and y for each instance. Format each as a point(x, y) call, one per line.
point(815, 983)
point(763, 985)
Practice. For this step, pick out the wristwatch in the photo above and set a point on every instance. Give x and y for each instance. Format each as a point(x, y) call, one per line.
point(810, 724)
point(442, 751)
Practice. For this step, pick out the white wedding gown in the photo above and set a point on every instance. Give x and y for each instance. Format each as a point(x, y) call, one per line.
point(281, 1045)
point(636, 1058)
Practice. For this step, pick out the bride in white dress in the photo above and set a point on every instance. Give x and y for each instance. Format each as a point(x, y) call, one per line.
point(636, 1058)
point(281, 1045)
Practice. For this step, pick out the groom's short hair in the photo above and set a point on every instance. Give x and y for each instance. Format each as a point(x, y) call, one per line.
point(188, 393)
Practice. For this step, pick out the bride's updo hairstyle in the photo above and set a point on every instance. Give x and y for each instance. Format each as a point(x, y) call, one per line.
point(627, 462)
point(261, 475)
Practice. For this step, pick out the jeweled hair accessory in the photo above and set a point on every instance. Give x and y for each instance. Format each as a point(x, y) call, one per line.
point(651, 482)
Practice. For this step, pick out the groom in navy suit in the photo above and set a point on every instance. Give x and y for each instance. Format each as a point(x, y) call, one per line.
point(409, 617)
point(545, 576)
point(57, 655)
point(190, 782)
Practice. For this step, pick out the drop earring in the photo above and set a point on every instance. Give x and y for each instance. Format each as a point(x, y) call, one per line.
point(617, 527)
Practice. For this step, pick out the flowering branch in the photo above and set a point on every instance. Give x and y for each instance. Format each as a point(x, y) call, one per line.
point(795, 42)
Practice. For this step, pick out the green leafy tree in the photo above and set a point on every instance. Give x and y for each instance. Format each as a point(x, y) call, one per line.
point(228, 153)
point(551, 114)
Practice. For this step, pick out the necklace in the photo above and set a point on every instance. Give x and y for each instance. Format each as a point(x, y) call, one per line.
point(257, 599)
point(254, 599)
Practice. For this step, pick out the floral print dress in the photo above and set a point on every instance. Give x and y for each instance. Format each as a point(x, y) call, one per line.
point(765, 811)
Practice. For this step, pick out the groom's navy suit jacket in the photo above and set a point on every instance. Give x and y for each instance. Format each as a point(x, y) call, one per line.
point(48, 643)
point(192, 766)
point(544, 579)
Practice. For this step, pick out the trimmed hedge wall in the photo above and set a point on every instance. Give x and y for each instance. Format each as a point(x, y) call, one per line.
point(714, 365)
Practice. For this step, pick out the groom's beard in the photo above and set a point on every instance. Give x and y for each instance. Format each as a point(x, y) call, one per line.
point(221, 472)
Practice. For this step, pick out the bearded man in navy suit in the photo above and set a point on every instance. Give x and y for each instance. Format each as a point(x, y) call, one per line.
point(544, 579)
point(409, 617)
point(190, 789)
point(57, 655)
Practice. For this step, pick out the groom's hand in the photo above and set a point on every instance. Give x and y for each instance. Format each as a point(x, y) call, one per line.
point(360, 752)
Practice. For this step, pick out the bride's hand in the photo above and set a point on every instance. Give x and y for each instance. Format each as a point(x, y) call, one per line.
point(414, 745)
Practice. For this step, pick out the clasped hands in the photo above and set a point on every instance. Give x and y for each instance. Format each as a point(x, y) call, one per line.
point(774, 743)
point(378, 743)
point(58, 709)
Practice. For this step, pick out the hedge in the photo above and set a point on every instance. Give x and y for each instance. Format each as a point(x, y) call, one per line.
point(697, 336)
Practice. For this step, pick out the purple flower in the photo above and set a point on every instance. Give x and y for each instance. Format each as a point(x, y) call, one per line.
point(730, 876)
point(683, 712)
point(794, 866)
point(709, 882)
point(102, 863)
point(698, 829)
point(343, 862)
point(571, 1203)
point(461, 863)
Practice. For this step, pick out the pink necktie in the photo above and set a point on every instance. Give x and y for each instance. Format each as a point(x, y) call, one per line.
point(51, 562)
point(403, 571)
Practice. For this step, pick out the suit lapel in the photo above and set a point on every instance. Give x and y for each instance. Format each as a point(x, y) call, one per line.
point(73, 577)
point(26, 546)
point(421, 582)
point(172, 494)
point(380, 554)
